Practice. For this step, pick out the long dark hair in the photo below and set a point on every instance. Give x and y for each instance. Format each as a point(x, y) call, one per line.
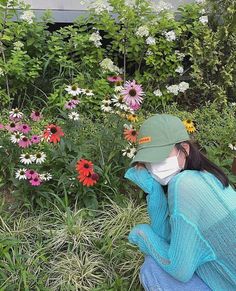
point(196, 160)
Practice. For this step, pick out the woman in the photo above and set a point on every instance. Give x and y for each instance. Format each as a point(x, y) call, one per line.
point(190, 243)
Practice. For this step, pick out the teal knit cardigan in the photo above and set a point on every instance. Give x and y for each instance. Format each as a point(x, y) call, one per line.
point(192, 229)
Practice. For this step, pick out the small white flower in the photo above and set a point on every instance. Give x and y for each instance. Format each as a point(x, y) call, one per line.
point(170, 35)
point(20, 174)
point(106, 107)
point(183, 86)
point(157, 93)
point(18, 45)
point(174, 89)
point(142, 31)
point(179, 70)
point(151, 40)
point(28, 16)
point(39, 158)
point(16, 137)
point(129, 151)
point(73, 115)
point(73, 90)
point(106, 101)
point(15, 113)
point(95, 37)
point(45, 176)
point(232, 147)
point(203, 19)
point(26, 159)
point(88, 92)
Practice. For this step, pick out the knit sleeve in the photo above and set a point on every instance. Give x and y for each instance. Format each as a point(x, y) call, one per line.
point(157, 205)
point(180, 258)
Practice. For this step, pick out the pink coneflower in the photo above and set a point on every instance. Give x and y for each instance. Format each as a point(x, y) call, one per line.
point(35, 181)
point(24, 142)
point(2, 127)
point(31, 174)
point(25, 128)
point(75, 100)
point(135, 106)
point(132, 93)
point(36, 115)
point(12, 127)
point(36, 139)
point(70, 105)
point(114, 79)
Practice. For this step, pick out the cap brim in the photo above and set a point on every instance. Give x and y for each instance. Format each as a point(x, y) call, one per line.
point(152, 154)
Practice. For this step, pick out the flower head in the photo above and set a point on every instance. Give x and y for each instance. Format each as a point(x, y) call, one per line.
point(28, 16)
point(132, 93)
point(36, 139)
point(84, 167)
point(15, 114)
point(131, 135)
point(24, 128)
point(12, 127)
point(70, 105)
point(89, 180)
point(31, 174)
point(73, 90)
point(203, 19)
point(24, 142)
point(114, 79)
point(39, 157)
point(73, 115)
point(132, 117)
point(16, 137)
point(189, 125)
point(36, 181)
point(129, 151)
point(170, 35)
point(45, 176)
point(20, 174)
point(53, 133)
point(36, 116)
point(26, 159)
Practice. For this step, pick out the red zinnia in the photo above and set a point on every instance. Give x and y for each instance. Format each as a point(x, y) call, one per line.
point(131, 135)
point(84, 167)
point(89, 180)
point(53, 133)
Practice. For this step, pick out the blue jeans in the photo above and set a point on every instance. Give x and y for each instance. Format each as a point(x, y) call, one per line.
point(154, 278)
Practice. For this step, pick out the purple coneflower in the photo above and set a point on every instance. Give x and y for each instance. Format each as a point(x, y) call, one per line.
point(132, 93)
point(35, 181)
point(24, 142)
point(36, 115)
point(12, 127)
point(31, 174)
point(114, 79)
point(25, 128)
point(70, 105)
point(36, 139)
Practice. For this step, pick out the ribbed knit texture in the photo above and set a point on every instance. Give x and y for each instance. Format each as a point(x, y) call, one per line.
point(193, 229)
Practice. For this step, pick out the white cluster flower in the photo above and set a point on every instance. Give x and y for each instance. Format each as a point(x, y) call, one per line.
point(170, 35)
point(157, 93)
point(161, 6)
point(99, 6)
point(179, 70)
point(232, 147)
point(150, 40)
point(18, 45)
point(73, 115)
point(175, 89)
point(129, 151)
point(95, 37)
point(1, 72)
point(107, 65)
point(28, 16)
point(203, 19)
point(142, 31)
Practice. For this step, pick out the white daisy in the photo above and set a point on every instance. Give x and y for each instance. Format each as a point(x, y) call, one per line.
point(157, 93)
point(73, 115)
point(45, 176)
point(106, 101)
point(73, 90)
point(20, 174)
point(39, 157)
point(129, 151)
point(118, 102)
point(15, 113)
point(88, 92)
point(106, 107)
point(16, 137)
point(26, 159)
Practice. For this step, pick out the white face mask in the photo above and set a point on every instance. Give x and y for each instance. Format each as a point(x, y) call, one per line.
point(165, 170)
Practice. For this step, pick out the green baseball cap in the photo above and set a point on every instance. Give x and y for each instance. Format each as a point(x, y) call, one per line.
point(158, 136)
